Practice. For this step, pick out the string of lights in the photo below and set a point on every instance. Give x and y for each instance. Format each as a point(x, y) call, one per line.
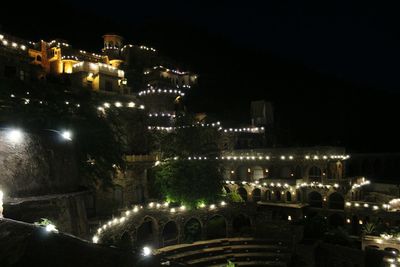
point(151, 206)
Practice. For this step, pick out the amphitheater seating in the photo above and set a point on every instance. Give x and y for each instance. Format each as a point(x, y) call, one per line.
point(241, 251)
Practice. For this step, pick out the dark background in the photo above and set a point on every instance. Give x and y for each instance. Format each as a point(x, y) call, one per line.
point(330, 68)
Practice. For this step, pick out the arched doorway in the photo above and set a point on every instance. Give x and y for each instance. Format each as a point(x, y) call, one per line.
point(192, 230)
point(241, 225)
point(278, 195)
point(243, 193)
point(288, 196)
point(336, 201)
point(314, 174)
point(315, 199)
point(147, 233)
point(256, 195)
point(170, 234)
point(216, 227)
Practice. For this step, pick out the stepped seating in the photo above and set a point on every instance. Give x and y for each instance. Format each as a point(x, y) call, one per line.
point(241, 251)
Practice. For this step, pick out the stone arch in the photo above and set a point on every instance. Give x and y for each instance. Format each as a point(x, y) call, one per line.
point(192, 230)
point(315, 199)
point(256, 194)
point(147, 232)
point(258, 173)
point(298, 172)
point(288, 196)
point(243, 193)
point(336, 220)
point(314, 174)
point(216, 227)
point(278, 195)
point(170, 234)
point(241, 225)
point(336, 201)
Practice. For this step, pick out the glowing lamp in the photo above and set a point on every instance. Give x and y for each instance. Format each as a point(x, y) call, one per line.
point(15, 136)
point(67, 135)
point(146, 251)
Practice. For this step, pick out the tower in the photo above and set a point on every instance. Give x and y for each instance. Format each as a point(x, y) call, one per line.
point(112, 48)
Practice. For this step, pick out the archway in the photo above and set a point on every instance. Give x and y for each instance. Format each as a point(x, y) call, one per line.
point(192, 230)
point(336, 220)
point(315, 199)
point(241, 225)
point(256, 195)
point(288, 196)
point(336, 201)
point(147, 233)
point(314, 174)
point(278, 195)
point(243, 193)
point(216, 227)
point(170, 234)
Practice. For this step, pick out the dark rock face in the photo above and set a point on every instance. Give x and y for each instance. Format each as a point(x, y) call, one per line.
point(37, 164)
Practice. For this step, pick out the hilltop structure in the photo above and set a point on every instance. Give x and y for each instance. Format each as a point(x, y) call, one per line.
point(286, 184)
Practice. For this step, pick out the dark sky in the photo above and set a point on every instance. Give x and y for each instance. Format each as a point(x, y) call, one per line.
point(352, 39)
point(329, 67)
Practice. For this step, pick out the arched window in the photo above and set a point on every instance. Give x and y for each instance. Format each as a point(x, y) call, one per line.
point(38, 58)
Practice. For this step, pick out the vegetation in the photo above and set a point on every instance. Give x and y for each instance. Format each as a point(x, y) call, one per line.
point(44, 222)
point(186, 180)
point(100, 139)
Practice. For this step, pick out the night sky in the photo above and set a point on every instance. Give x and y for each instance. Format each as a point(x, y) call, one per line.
point(329, 67)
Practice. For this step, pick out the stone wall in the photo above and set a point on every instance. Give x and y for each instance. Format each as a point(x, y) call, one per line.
point(37, 164)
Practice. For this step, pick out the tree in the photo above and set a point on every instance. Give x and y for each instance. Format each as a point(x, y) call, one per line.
point(189, 180)
point(100, 139)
